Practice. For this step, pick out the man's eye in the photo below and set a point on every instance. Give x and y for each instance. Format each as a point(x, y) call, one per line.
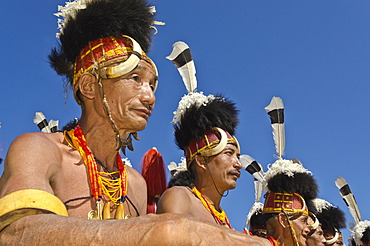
point(152, 86)
point(135, 77)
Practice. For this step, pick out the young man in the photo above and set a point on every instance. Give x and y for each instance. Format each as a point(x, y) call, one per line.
point(79, 173)
point(205, 131)
point(212, 157)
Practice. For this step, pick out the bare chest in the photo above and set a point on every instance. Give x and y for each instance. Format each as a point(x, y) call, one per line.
point(72, 186)
point(200, 211)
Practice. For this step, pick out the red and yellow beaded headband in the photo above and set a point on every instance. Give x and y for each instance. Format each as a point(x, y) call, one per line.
point(109, 57)
point(292, 204)
point(211, 143)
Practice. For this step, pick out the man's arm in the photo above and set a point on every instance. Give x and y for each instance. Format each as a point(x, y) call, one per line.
point(164, 229)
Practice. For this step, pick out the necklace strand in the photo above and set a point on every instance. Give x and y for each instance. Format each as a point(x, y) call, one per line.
point(99, 184)
point(220, 218)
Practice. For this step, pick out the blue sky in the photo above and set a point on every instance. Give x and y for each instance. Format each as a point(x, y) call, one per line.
point(315, 55)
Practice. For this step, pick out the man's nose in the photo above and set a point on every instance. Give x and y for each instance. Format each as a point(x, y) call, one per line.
point(147, 94)
point(237, 163)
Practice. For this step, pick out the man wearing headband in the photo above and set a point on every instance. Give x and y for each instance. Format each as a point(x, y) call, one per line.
point(289, 186)
point(316, 235)
point(205, 132)
point(212, 161)
point(331, 219)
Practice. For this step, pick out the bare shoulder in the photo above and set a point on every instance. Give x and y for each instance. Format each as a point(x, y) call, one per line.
point(133, 174)
point(136, 180)
point(31, 160)
point(176, 199)
point(178, 191)
point(137, 190)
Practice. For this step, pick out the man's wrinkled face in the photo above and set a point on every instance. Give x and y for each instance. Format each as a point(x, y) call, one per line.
point(316, 237)
point(300, 226)
point(131, 97)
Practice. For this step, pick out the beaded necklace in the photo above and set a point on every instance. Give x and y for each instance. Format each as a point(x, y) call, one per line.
point(114, 189)
point(220, 218)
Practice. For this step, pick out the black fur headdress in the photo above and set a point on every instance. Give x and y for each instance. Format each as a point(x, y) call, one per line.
point(218, 112)
point(101, 18)
point(330, 216)
point(290, 177)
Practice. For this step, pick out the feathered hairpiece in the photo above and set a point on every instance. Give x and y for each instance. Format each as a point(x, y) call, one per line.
point(348, 198)
point(276, 112)
point(286, 176)
point(255, 219)
point(196, 112)
point(220, 112)
point(88, 20)
point(361, 230)
point(44, 125)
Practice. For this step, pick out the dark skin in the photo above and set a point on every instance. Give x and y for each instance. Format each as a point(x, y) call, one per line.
point(44, 161)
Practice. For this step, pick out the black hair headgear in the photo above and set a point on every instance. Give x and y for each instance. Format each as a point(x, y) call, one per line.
point(289, 176)
point(331, 218)
point(101, 18)
point(219, 112)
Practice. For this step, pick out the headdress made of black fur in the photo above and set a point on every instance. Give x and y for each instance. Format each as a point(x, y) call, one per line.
point(100, 18)
point(288, 176)
point(195, 119)
point(330, 216)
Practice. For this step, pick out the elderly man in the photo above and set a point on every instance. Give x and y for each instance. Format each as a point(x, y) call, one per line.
point(290, 187)
point(331, 219)
point(316, 235)
point(54, 182)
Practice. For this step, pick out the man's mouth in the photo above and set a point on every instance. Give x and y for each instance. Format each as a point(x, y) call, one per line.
point(235, 173)
point(144, 112)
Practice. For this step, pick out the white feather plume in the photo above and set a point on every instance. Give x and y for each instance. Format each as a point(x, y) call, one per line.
point(254, 168)
point(247, 163)
point(40, 117)
point(69, 11)
point(287, 167)
point(256, 209)
point(278, 131)
point(322, 204)
point(349, 199)
point(192, 99)
point(187, 69)
point(53, 125)
point(177, 167)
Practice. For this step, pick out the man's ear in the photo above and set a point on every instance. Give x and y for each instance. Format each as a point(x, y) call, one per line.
point(200, 161)
point(86, 85)
point(283, 220)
